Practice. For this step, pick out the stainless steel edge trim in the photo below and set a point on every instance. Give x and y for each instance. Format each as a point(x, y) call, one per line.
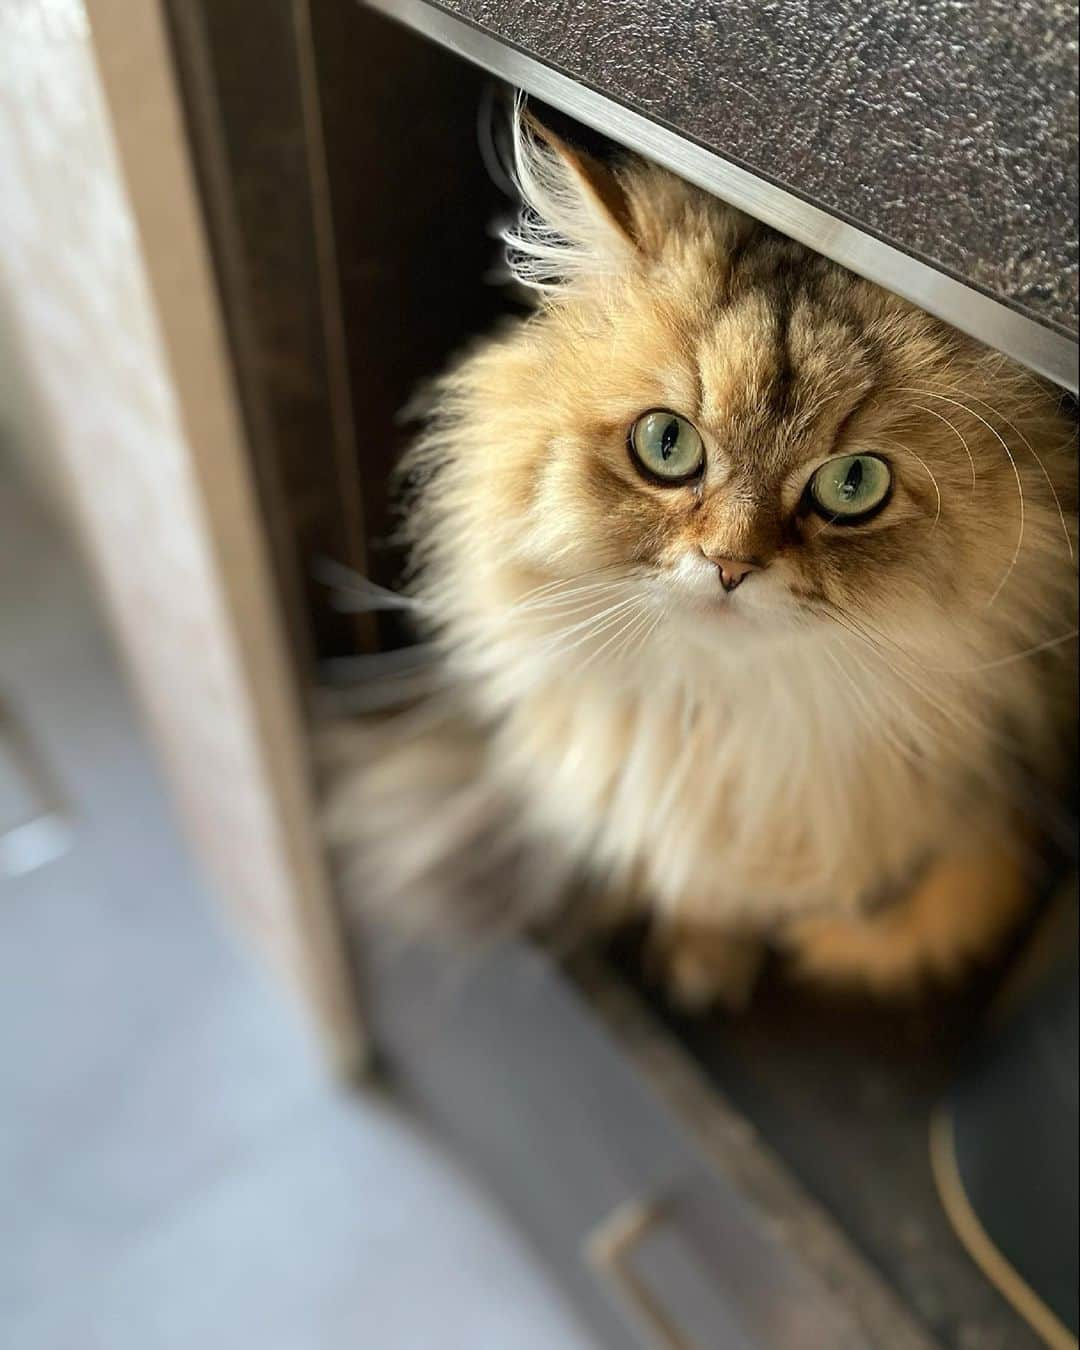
point(1044, 350)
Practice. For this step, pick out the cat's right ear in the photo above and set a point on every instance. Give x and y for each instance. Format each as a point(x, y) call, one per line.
point(575, 221)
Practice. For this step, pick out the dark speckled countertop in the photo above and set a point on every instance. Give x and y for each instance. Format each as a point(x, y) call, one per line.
point(946, 127)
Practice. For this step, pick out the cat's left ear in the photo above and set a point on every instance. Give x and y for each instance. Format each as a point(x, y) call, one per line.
point(575, 220)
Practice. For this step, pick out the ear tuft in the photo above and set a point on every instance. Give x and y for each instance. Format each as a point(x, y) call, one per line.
point(574, 223)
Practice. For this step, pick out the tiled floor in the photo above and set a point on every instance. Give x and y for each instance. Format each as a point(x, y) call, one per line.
point(174, 1171)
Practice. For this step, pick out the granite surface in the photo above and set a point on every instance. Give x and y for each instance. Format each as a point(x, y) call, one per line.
point(947, 127)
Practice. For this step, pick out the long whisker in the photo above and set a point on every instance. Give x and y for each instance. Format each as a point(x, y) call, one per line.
point(927, 393)
point(1005, 660)
point(956, 712)
point(618, 635)
point(566, 591)
point(873, 636)
point(873, 723)
point(612, 571)
point(1035, 456)
point(652, 628)
point(1018, 656)
point(907, 713)
point(593, 627)
point(950, 713)
point(1040, 813)
point(640, 638)
point(557, 587)
point(590, 604)
point(571, 604)
point(930, 474)
point(956, 430)
point(561, 644)
point(626, 638)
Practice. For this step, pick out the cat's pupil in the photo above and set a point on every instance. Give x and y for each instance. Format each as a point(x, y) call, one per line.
point(853, 480)
point(668, 438)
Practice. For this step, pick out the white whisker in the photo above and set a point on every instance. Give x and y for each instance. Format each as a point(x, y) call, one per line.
point(577, 598)
point(619, 633)
point(1033, 453)
point(930, 473)
point(927, 393)
point(613, 573)
point(963, 439)
point(870, 716)
point(639, 620)
point(593, 628)
point(1018, 656)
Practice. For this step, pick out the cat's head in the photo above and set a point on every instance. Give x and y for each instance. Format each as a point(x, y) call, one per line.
point(715, 428)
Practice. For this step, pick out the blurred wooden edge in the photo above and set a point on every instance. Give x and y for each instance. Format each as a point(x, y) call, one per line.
point(236, 679)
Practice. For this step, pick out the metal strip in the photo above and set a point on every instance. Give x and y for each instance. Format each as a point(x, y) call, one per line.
point(1044, 350)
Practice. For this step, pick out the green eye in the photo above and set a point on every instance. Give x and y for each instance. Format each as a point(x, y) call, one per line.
point(851, 487)
point(666, 447)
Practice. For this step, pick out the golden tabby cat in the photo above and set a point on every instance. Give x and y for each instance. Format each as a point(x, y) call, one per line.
point(755, 597)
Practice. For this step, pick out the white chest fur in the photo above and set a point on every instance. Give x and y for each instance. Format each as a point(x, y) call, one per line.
point(788, 786)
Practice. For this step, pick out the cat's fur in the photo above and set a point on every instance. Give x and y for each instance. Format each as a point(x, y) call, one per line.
point(837, 757)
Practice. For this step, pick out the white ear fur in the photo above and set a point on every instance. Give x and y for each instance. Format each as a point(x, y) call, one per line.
point(566, 231)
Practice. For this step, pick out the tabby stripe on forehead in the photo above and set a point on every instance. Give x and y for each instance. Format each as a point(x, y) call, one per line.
point(750, 240)
point(783, 297)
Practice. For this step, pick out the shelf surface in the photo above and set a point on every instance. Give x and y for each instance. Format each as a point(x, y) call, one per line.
point(929, 146)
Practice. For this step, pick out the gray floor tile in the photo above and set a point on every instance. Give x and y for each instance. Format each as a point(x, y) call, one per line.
point(174, 1170)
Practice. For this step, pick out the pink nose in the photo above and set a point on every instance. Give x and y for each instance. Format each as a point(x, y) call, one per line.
point(734, 570)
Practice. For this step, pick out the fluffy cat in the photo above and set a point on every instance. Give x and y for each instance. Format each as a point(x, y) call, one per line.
point(754, 594)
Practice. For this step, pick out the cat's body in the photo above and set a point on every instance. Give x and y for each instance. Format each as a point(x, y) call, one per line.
point(728, 710)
